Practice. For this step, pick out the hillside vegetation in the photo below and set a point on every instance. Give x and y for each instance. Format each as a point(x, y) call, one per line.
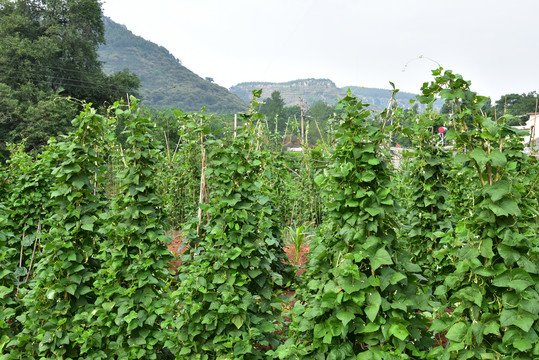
point(165, 82)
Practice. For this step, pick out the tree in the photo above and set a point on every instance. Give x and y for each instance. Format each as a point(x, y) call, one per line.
point(517, 105)
point(273, 106)
point(51, 44)
point(48, 51)
point(319, 114)
point(273, 109)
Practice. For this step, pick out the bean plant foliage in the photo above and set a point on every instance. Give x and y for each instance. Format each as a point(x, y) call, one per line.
point(131, 283)
point(361, 299)
point(435, 258)
point(26, 189)
point(429, 219)
point(227, 306)
point(98, 287)
point(493, 290)
point(62, 295)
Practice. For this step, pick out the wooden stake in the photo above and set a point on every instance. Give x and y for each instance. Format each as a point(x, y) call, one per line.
point(235, 124)
point(302, 128)
point(202, 179)
point(33, 251)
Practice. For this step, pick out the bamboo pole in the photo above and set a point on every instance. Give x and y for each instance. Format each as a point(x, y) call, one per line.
point(33, 252)
point(202, 179)
point(235, 124)
point(302, 128)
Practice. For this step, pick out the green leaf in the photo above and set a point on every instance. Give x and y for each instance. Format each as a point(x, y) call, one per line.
point(373, 211)
point(3, 273)
point(219, 278)
point(238, 320)
point(490, 125)
point(367, 355)
point(370, 327)
point(486, 248)
point(522, 344)
point(108, 306)
point(498, 190)
point(87, 223)
point(71, 289)
point(507, 206)
point(28, 240)
point(508, 253)
point(491, 327)
point(350, 284)
point(242, 347)
point(497, 158)
point(471, 293)
point(468, 252)
point(381, 257)
point(345, 317)
point(4, 291)
point(232, 200)
point(479, 155)
point(254, 273)
point(50, 294)
point(263, 200)
point(373, 300)
point(367, 176)
point(234, 253)
point(457, 332)
point(79, 181)
point(438, 325)
point(61, 191)
point(520, 318)
point(374, 161)
point(396, 277)
point(319, 179)
point(517, 279)
point(399, 331)
point(320, 330)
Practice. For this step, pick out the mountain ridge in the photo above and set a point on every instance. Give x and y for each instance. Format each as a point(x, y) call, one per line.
point(165, 82)
point(311, 90)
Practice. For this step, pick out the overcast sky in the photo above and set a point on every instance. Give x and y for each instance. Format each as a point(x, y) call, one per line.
point(366, 43)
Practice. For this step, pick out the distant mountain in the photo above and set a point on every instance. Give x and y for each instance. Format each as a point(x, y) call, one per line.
point(313, 90)
point(165, 83)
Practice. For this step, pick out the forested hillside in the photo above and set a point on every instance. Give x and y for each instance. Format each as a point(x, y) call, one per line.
point(165, 82)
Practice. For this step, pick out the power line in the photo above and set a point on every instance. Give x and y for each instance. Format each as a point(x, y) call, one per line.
point(24, 72)
point(96, 76)
point(91, 86)
point(36, 76)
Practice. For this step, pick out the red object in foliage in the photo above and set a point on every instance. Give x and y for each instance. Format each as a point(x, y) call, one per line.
point(398, 145)
point(442, 129)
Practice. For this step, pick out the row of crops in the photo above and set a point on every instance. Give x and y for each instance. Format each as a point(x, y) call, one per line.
point(435, 258)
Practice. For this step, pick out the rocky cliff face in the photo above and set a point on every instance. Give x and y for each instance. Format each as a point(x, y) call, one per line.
point(313, 90)
point(310, 90)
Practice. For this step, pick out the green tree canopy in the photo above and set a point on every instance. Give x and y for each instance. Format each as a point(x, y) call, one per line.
point(273, 106)
point(318, 116)
point(48, 53)
point(517, 104)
